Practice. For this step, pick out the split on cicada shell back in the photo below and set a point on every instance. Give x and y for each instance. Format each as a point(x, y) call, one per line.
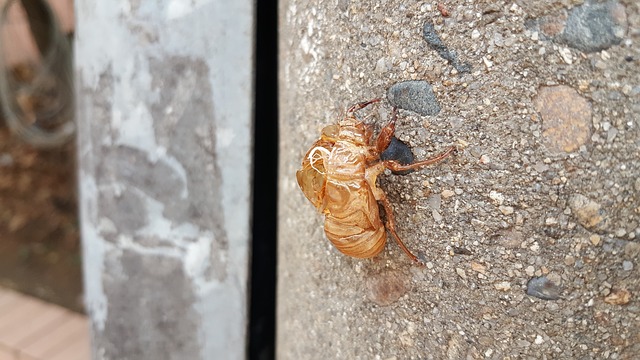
point(312, 177)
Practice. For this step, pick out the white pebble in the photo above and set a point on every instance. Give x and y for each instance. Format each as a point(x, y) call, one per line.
point(488, 63)
point(497, 197)
point(506, 210)
point(566, 56)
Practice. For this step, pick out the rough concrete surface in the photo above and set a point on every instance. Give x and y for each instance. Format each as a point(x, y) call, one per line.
point(544, 200)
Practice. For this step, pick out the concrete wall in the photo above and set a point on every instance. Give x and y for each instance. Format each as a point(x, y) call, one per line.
point(529, 235)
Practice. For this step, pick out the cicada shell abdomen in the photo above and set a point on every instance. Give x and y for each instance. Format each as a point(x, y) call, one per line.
point(353, 222)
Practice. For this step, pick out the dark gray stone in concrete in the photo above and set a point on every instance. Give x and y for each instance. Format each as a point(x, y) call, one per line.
point(594, 27)
point(433, 39)
point(416, 96)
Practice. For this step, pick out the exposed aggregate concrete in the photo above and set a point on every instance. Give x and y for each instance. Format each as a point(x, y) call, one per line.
point(533, 195)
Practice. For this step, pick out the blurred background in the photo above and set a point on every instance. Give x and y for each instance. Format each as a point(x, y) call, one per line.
point(39, 235)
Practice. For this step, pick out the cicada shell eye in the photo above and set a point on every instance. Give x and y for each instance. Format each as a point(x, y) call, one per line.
point(331, 131)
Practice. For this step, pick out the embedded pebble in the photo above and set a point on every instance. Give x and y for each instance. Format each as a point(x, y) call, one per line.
point(497, 197)
point(611, 134)
point(586, 211)
point(436, 215)
point(461, 273)
point(569, 260)
point(387, 287)
point(502, 285)
point(457, 347)
point(381, 66)
point(618, 297)
point(456, 122)
point(627, 265)
point(435, 42)
point(543, 288)
point(447, 193)
point(539, 340)
point(434, 201)
point(632, 249)
point(476, 266)
point(510, 41)
point(506, 210)
point(593, 27)
point(566, 56)
point(509, 238)
point(487, 63)
point(529, 270)
point(566, 118)
point(414, 95)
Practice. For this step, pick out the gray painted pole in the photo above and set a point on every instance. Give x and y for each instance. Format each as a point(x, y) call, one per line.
point(164, 131)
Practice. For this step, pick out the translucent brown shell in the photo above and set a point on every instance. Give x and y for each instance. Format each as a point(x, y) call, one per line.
point(352, 221)
point(338, 176)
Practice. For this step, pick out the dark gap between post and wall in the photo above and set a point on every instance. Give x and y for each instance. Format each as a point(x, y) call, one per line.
point(262, 308)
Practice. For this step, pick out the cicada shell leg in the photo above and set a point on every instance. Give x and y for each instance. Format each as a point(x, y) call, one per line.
point(371, 175)
point(361, 105)
point(387, 132)
point(391, 227)
point(396, 166)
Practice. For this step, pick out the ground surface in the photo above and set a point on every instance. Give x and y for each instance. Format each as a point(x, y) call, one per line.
point(547, 188)
point(39, 237)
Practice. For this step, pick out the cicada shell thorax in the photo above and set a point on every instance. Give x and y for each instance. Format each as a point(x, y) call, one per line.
point(351, 149)
point(355, 132)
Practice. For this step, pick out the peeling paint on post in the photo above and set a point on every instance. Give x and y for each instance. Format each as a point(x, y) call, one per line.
point(164, 111)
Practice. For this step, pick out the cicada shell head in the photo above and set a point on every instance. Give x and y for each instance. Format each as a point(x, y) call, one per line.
point(312, 177)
